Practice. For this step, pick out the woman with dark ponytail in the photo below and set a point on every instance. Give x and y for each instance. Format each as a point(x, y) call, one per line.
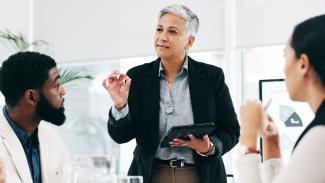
point(305, 79)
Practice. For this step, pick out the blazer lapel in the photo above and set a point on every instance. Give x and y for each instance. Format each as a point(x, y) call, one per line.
point(15, 150)
point(199, 93)
point(44, 154)
point(151, 103)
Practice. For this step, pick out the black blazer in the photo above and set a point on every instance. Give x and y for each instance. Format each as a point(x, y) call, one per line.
point(210, 100)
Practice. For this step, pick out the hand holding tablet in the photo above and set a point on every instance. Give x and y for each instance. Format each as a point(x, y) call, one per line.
point(182, 132)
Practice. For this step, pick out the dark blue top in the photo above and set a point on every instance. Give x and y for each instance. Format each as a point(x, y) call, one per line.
point(31, 148)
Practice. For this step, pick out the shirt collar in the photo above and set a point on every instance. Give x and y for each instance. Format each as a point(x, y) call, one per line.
point(185, 66)
point(23, 137)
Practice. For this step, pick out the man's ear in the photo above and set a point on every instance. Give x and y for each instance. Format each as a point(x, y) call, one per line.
point(304, 65)
point(31, 97)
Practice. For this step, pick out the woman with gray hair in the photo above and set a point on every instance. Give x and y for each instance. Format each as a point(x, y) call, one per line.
point(173, 90)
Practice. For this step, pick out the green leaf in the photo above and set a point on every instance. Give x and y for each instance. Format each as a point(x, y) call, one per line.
point(21, 44)
point(19, 41)
point(69, 75)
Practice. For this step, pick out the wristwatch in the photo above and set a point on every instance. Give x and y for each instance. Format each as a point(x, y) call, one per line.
point(210, 152)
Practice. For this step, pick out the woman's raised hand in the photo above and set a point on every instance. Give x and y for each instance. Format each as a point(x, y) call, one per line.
point(118, 86)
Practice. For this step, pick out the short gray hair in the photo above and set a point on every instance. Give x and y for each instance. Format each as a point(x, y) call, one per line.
point(191, 19)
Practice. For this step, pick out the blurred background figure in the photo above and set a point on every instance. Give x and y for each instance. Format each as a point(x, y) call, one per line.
point(305, 79)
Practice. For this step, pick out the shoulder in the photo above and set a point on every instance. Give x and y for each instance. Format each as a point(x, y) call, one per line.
point(308, 154)
point(48, 134)
point(315, 135)
point(204, 67)
point(54, 151)
point(50, 138)
point(213, 73)
point(311, 143)
point(48, 129)
point(143, 69)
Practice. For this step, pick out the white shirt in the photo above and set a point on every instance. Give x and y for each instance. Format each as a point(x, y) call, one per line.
point(307, 163)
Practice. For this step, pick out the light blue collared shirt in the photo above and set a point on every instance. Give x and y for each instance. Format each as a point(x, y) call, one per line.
point(175, 109)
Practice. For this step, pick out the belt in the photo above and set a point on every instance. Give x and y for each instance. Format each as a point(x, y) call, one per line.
point(174, 163)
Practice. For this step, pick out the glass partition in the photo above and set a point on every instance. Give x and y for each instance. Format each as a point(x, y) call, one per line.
point(260, 63)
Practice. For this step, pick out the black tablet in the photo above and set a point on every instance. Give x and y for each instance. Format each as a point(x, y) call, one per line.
point(182, 132)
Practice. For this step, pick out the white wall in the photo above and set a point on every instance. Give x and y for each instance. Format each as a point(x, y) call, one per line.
point(97, 29)
point(86, 30)
point(14, 16)
point(265, 22)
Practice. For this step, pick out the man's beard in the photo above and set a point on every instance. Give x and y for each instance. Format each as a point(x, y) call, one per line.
point(47, 112)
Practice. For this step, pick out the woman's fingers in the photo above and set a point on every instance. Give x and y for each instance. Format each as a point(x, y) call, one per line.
point(115, 79)
point(198, 144)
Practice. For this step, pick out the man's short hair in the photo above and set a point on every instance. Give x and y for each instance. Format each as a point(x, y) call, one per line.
point(23, 71)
